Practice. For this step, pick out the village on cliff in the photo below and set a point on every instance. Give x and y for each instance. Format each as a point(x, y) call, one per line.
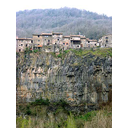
point(48, 41)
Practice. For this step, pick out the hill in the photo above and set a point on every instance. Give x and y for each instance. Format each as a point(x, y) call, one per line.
point(66, 20)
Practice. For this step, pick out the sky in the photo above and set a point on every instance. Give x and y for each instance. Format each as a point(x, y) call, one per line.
point(98, 6)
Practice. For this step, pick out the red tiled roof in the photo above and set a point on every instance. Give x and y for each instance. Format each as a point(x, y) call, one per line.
point(40, 46)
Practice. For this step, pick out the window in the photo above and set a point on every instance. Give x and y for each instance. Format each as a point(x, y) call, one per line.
point(38, 35)
point(49, 41)
point(106, 41)
point(66, 43)
point(26, 45)
point(21, 44)
point(106, 37)
point(38, 40)
point(58, 39)
point(19, 50)
point(63, 43)
point(88, 41)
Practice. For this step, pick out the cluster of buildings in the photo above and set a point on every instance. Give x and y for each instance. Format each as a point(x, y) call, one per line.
point(39, 41)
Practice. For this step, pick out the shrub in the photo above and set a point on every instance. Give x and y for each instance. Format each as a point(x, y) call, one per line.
point(61, 103)
point(22, 122)
point(28, 111)
point(27, 50)
point(36, 50)
point(59, 56)
point(41, 102)
point(71, 122)
point(88, 116)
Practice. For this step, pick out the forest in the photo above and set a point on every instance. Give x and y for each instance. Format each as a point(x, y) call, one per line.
point(66, 20)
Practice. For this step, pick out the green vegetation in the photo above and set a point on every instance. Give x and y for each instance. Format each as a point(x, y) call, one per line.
point(61, 103)
point(66, 20)
point(71, 122)
point(28, 111)
point(41, 102)
point(60, 55)
point(94, 119)
point(88, 116)
point(37, 107)
point(97, 52)
point(28, 50)
point(36, 50)
point(79, 52)
point(23, 122)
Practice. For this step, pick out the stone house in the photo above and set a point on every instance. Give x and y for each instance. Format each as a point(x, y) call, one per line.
point(83, 41)
point(91, 43)
point(66, 42)
point(105, 41)
point(47, 38)
point(75, 41)
point(57, 38)
point(78, 41)
point(37, 41)
point(23, 43)
point(41, 39)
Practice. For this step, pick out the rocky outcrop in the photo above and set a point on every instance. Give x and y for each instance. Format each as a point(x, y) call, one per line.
point(79, 80)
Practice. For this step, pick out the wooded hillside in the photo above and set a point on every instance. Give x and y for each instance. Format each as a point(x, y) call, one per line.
point(66, 20)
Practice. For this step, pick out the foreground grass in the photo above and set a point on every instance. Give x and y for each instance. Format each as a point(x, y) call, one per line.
point(94, 119)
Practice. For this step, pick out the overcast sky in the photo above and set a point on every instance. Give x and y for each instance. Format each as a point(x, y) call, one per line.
point(98, 6)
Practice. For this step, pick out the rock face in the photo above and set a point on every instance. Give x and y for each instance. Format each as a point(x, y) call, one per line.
point(75, 79)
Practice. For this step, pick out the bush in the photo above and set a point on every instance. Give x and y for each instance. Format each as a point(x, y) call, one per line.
point(36, 50)
point(61, 103)
point(22, 122)
point(28, 111)
point(27, 50)
point(41, 102)
point(59, 56)
point(88, 116)
point(71, 122)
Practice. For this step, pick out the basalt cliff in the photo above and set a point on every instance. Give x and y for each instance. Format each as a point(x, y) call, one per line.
point(79, 77)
